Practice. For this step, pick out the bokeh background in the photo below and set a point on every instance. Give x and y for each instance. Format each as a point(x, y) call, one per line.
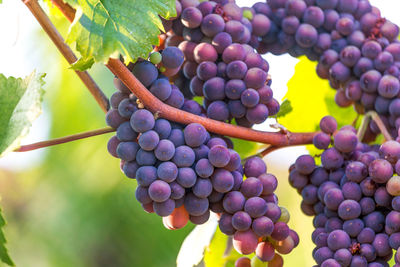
point(70, 205)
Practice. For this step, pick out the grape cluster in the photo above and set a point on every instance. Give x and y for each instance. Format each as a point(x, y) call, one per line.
point(250, 213)
point(219, 64)
point(174, 165)
point(353, 196)
point(356, 48)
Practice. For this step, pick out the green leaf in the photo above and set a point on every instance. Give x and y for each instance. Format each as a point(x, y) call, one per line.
point(286, 108)
point(214, 255)
point(82, 64)
point(20, 105)
point(3, 250)
point(108, 28)
point(311, 99)
point(220, 252)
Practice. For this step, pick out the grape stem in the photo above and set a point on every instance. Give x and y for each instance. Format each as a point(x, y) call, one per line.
point(372, 115)
point(66, 51)
point(165, 111)
point(375, 117)
point(65, 139)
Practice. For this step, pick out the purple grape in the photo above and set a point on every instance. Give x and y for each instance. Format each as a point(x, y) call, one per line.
point(222, 180)
point(218, 110)
point(212, 24)
point(214, 89)
point(322, 254)
point(351, 191)
point(125, 132)
point(225, 224)
point(328, 124)
point(305, 164)
point(142, 121)
point(201, 219)
point(184, 156)
point(165, 150)
point(204, 168)
point(186, 177)
point(259, 113)
point(233, 202)
point(262, 226)
point(176, 99)
point(130, 168)
point(159, 191)
point(281, 231)
point(309, 194)
point(343, 256)
point(389, 86)
point(177, 191)
point(331, 159)
point(191, 17)
point(205, 52)
point(164, 208)
point(195, 134)
point(367, 205)
point(380, 170)
point(241, 221)
point(381, 245)
point(195, 206)
point(273, 212)
point(306, 35)
point(255, 207)
point(261, 25)
point(375, 220)
point(321, 140)
point(163, 128)
point(206, 70)
point(332, 198)
point(338, 239)
point(254, 167)
point(367, 235)
point(167, 171)
point(202, 188)
point(146, 72)
point(349, 209)
point(314, 16)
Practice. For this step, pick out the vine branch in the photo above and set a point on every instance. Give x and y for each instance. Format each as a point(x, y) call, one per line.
point(66, 51)
point(163, 110)
point(64, 139)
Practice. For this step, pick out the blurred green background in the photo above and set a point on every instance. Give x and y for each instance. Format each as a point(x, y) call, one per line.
point(76, 208)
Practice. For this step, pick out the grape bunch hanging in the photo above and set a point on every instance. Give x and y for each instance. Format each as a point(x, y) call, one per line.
point(212, 55)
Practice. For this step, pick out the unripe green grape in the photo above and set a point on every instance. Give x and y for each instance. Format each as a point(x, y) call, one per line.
point(285, 216)
point(155, 58)
point(247, 14)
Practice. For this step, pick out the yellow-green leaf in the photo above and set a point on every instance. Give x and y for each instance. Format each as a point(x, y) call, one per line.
point(20, 105)
point(82, 64)
point(108, 28)
point(311, 99)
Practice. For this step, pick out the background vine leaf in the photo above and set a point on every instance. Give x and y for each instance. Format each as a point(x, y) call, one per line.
point(3, 250)
point(109, 28)
point(286, 108)
point(310, 110)
point(20, 105)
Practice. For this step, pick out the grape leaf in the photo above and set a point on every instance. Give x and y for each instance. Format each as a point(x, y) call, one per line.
point(20, 105)
point(286, 108)
point(103, 29)
point(3, 250)
point(82, 64)
point(311, 99)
